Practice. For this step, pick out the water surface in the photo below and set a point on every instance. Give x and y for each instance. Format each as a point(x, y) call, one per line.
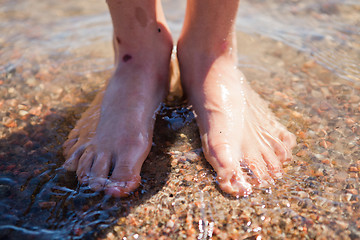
point(303, 57)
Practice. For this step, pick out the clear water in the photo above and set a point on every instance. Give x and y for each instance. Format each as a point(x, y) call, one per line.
point(302, 56)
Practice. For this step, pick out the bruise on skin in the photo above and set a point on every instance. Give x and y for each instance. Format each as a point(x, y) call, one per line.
point(127, 57)
point(140, 15)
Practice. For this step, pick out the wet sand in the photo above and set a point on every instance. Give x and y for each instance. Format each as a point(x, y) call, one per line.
point(50, 71)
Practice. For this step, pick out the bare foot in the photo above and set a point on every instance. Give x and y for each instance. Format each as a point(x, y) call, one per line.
point(112, 139)
point(240, 136)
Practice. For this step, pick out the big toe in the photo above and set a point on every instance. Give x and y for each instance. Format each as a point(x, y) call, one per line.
point(122, 188)
point(234, 183)
point(288, 138)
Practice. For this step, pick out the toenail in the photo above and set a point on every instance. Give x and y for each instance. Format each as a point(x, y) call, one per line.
point(117, 184)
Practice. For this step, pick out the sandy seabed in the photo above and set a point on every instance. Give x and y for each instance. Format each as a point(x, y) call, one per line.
point(55, 57)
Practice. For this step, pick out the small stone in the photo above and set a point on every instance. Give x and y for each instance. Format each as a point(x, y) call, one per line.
point(23, 112)
point(301, 135)
point(296, 114)
point(352, 191)
point(110, 236)
point(303, 194)
point(302, 153)
point(353, 169)
point(170, 224)
point(319, 172)
point(31, 82)
point(342, 224)
point(22, 107)
point(188, 178)
point(11, 124)
point(326, 161)
point(11, 90)
point(325, 144)
point(191, 156)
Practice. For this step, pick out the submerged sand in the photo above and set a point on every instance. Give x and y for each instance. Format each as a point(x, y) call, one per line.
point(55, 56)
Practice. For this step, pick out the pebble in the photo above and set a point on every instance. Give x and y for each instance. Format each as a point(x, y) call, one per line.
point(11, 90)
point(170, 224)
point(352, 191)
point(31, 82)
point(23, 112)
point(353, 169)
point(110, 236)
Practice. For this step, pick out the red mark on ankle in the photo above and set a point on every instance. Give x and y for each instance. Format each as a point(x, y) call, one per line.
point(118, 40)
point(127, 57)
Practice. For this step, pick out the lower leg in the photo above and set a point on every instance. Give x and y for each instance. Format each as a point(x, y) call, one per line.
point(210, 27)
point(112, 139)
point(241, 138)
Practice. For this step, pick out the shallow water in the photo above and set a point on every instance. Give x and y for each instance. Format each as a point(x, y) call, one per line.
point(303, 57)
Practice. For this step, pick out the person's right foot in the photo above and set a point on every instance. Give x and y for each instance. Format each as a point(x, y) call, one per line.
point(112, 139)
point(241, 138)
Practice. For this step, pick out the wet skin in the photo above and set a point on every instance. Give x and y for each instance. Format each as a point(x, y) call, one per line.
point(240, 136)
point(115, 133)
point(112, 139)
point(239, 133)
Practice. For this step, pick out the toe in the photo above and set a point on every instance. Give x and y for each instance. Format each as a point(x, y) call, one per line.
point(84, 166)
point(68, 144)
point(235, 183)
point(100, 171)
point(279, 148)
point(72, 162)
point(122, 188)
point(273, 164)
point(74, 134)
point(124, 179)
point(259, 168)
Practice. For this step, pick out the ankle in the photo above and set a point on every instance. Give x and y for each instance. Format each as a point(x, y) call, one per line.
point(151, 48)
point(196, 60)
point(207, 48)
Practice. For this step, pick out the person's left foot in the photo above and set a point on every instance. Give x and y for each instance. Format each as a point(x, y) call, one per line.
point(241, 138)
